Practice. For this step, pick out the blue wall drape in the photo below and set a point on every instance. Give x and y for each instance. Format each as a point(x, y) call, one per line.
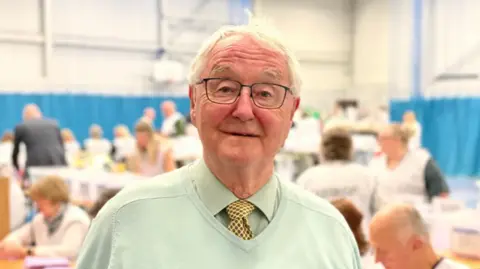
point(450, 131)
point(78, 112)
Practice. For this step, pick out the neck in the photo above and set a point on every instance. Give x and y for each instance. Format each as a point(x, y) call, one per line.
point(397, 155)
point(428, 259)
point(242, 180)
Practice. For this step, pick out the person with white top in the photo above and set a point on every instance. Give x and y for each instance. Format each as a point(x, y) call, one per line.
point(124, 143)
point(403, 174)
point(337, 176)
point(57, 230)
point(72, 147)
point(400, 240)
point(96, 144)
point(173, 123)
point(414, 127)
point(153, 156)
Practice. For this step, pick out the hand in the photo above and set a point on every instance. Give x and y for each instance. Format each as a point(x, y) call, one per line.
point(12, 249)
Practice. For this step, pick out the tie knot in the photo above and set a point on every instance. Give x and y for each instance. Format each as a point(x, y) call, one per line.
point(240, 209)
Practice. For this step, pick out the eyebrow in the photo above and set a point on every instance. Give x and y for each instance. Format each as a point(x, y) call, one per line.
point(270, 72)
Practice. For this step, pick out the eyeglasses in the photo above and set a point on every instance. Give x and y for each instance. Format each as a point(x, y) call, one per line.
point(227, 91)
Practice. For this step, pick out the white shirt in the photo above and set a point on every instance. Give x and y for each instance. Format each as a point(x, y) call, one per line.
point(168, 125)
point(98, 146)
point(334, 180)
point(404, 183)
point(449, 264)
point(65, 242)
point(124, 146)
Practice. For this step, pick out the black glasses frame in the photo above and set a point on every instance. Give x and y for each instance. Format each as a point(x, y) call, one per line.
point(205, 81)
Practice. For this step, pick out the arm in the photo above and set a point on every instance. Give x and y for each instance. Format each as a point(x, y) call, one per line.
point(23, 236)
point(70, 245)
point(435, 184)
point(16, 147)
point(168, 161)
point(60, 138)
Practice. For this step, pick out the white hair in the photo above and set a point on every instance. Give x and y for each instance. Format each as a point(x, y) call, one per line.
point(257, 30)
point(407, 221)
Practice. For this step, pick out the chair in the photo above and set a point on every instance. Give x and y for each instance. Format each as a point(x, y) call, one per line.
point(4, 207)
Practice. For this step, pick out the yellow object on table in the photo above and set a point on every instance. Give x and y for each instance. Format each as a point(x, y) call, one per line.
point(14, 264)
point(474, 264)
point(6, 264)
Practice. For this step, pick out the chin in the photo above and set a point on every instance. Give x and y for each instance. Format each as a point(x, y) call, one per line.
point(239, 154)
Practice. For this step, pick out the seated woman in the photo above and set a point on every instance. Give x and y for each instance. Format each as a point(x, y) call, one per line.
point(153, 155)
point(96, 144)
point(354, 219)
point(123, 144)
point(57, 230)
point(72, 147)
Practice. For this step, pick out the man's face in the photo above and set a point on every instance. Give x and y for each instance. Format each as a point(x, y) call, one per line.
point(150, 113)
point(247, 61)
point(389, 251)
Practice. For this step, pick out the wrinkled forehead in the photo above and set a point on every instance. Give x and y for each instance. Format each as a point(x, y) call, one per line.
point(226, 52)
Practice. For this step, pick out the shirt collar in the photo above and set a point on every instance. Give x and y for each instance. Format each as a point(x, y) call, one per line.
point(216, 196)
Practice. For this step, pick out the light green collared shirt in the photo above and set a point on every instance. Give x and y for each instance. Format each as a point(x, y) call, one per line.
point(217, 197)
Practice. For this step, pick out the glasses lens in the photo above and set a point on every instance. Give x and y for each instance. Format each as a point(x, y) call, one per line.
point(268, 95)
point(223, 91)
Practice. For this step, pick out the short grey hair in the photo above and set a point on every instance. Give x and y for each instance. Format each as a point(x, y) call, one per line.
point(407, 221)
point(261, 32)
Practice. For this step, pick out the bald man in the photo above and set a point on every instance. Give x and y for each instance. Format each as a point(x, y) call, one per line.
point(173, 122)
point(400, 240)
point(42, 140)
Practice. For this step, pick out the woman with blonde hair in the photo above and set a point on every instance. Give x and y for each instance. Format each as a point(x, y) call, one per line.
point(72, 147)
point(153, 155)
point(96, 144)
point(57, 230)
point(123, 143)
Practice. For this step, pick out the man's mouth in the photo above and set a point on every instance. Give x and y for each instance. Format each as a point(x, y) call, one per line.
point(242, 134)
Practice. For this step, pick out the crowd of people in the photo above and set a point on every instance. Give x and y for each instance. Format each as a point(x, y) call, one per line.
point(229, 209)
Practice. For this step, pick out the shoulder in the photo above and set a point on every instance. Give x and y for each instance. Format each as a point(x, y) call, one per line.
point(76, 214)
point(318, 208)
point(19, 127)
point(164, 186)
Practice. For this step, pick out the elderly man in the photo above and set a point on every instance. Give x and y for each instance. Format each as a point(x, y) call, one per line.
point(400, 240)
point(227, 210)
point(173, 123)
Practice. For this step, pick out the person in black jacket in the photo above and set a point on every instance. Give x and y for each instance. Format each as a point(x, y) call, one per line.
point(42, 139)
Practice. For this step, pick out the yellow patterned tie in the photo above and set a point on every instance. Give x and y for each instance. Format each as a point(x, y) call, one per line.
point(238, 213)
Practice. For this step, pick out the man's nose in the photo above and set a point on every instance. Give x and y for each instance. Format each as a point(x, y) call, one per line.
point(244, 106)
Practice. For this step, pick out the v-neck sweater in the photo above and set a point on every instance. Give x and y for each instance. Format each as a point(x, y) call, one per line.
point(163, 223)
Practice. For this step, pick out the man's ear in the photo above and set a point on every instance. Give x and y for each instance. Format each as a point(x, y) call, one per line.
point(191, 95)
point(296, 104)
point(417, 242)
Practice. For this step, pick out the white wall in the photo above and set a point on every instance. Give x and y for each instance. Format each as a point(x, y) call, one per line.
point(384, 41)
point(319, 33)
point(98, 46)
point(452, 46)
point(382, 51)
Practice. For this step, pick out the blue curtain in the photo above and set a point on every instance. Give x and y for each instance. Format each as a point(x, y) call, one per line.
point(78, 112)
point(451, 131)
